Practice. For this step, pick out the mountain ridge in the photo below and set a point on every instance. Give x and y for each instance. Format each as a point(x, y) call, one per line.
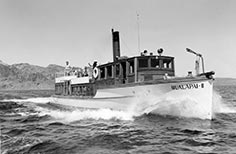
point(25, 76)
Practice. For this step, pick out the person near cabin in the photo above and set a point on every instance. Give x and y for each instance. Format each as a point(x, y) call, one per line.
point(144, 53)
point(95, 63)
point(85, 71)
point(67, 69)
point(190, 74)
point(166, 76)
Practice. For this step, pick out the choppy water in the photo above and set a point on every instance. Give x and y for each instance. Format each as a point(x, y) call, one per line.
point(36, 126)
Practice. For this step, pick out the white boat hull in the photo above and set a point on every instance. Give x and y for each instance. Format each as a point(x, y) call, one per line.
point(186, 98)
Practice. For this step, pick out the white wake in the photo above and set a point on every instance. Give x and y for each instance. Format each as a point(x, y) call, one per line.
point(77, 114)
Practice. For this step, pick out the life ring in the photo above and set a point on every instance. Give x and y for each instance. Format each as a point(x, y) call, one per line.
point(95, 72)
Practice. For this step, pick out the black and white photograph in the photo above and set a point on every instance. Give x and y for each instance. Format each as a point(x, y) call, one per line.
point(117, 77)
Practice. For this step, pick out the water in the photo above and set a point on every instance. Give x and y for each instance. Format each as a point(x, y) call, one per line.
point(29, 124)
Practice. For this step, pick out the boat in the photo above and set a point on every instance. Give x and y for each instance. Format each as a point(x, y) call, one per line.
point(127, 83)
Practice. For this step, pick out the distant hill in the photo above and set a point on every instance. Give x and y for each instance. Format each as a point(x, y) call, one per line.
point(225, 81)
point(27, 76)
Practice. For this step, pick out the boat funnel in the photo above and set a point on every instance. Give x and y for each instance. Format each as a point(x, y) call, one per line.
point(115, 44)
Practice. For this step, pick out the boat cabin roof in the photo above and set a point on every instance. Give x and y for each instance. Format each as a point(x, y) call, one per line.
point(135, 69)
point(128, 59)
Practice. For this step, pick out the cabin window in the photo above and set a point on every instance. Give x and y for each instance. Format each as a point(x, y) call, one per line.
point(117, 70)
point(131, 67)
point(102, 73)
point(167, 64)
point(72, 90)
point(109, 71)
point(142, 63)
point(155, 63)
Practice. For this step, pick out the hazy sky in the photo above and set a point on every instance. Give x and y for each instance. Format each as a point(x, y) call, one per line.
point(42, 32)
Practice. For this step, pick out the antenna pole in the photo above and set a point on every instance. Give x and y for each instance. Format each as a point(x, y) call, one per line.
point(203, 70)
point(138, 33)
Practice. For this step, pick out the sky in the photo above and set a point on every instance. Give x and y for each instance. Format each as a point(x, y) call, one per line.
point(43, 32)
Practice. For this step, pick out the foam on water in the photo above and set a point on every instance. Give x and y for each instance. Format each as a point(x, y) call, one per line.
point(184, 107)
point(75, 114)
point(81, 114)
point(169, 104)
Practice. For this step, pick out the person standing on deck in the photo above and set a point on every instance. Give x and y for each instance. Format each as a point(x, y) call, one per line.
point(67, 69)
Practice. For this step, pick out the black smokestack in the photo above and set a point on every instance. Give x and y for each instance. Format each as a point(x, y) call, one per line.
point(115, 44)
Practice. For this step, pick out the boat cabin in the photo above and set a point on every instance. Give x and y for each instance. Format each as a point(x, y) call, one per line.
point(135, 69)
point(122, 71)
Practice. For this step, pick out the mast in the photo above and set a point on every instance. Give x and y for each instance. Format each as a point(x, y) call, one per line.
point(138, 33)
